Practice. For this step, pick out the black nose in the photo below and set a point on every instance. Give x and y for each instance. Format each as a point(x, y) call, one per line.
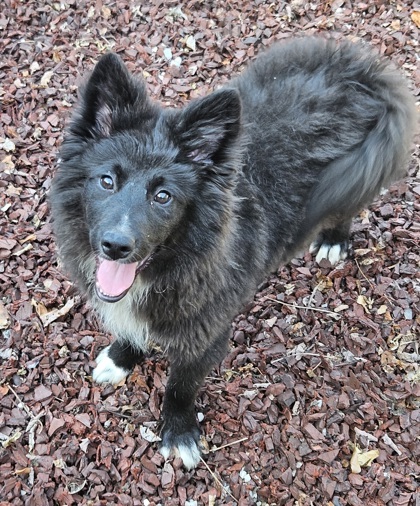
point(117, 245)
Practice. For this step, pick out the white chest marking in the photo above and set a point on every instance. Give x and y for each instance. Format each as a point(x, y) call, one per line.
point(121, 319)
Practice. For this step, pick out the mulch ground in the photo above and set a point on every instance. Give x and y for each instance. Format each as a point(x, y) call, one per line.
point(312, 406)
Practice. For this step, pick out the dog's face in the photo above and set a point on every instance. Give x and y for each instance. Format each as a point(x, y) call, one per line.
point(143, 175)
point(134, 206)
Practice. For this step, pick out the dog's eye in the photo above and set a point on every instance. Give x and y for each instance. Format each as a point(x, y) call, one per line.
point(163, 197)
point(106, 182)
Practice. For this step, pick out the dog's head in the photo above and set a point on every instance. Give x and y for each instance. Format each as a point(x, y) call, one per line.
point(140, 186)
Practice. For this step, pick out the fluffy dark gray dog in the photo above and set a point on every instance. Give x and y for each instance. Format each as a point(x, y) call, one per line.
point(169, 219)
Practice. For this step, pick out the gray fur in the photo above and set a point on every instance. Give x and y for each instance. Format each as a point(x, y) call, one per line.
point(296, 145)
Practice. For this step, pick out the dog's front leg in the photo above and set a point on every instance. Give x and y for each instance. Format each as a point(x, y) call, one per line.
point(115, 362)
point(180, 433)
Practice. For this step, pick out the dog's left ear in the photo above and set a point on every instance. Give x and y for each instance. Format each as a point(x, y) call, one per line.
point(108, 99)
point(209, 126)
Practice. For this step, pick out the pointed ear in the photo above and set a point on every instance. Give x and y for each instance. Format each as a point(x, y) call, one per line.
point(107, 99)
point(209, 126)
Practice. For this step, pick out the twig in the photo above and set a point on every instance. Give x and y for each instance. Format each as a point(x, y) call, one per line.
point(371, 284)
point(388, 441)
point(229, 444)
point(219, 483)
point(21, 404)
point(336, 315)
point(364, 275)
point(33, 423)
point(311, 298)
point(362, 433)
point(295, 355)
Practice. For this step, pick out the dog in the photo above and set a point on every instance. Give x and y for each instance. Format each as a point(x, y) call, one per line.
point(169, 219)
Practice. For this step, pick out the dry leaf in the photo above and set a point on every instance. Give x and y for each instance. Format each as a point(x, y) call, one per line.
point(190, 42)
point(396, 24)
point(56, 57)
point(361, 459)
point(46, 78)
point(389, 361)
point(83, 445)
point(341, 307)
point(271, 321)
point(365, 302)
point(34, 67)
point(8, 145)
point(25, 470)
point(12, 439)
point(8, 163)
point(76, 486)
point(51, 316)
point(149, 435)
point(59, 464)
point(106, 12)
point(324, 283)
point(415, 16)
point(4, 317)
point(40, 309)
point(359, 252)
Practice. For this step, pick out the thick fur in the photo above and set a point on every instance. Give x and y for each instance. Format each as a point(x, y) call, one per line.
point(294, 147)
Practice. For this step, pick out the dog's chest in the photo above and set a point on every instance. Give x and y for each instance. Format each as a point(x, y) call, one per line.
point(123, 320)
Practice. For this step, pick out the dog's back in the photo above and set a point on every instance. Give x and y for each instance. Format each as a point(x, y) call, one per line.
point(328, 125)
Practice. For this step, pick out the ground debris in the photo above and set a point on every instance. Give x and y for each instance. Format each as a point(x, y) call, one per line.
point(325, 360)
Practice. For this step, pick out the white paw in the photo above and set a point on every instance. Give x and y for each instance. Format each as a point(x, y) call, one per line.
point(332, 252)
point(314, 247)
point(106, 371)
point(189, 453)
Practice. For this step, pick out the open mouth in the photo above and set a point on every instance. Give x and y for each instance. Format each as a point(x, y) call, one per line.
point(114, 279)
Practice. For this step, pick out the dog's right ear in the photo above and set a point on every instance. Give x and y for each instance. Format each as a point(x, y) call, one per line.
point(108, 99)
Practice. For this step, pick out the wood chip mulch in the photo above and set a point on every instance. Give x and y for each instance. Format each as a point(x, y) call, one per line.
point(315, 406)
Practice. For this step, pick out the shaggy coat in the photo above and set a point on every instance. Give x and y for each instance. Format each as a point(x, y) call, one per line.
point(169, 219)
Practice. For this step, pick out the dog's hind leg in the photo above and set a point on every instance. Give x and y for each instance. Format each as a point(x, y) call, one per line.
point(115, 362)
point(332, 243)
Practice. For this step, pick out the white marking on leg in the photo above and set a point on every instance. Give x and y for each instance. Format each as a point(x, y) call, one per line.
point(165, 452)
point(322, 253)
point(106, 371)
point(334, 254)
point(189, 454)
point(344, 253)
point(314, 246)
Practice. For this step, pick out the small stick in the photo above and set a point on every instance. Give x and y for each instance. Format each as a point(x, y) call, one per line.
point(311, 298)
point(229, 444)
point(219, 483)
point(370, 283)
point(21, 403)
point(34, 421)
point(336, 315)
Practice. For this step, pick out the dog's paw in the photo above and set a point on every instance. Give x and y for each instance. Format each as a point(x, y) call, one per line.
point(334, 253)
point(106, 371)
point(185, 446)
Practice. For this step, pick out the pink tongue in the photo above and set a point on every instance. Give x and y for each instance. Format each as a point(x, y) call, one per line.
point(114, 278)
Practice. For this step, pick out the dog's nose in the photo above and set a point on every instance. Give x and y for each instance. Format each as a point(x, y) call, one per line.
point(117, 245)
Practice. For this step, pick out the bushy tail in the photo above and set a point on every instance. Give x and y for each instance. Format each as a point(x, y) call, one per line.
point(352, 181)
